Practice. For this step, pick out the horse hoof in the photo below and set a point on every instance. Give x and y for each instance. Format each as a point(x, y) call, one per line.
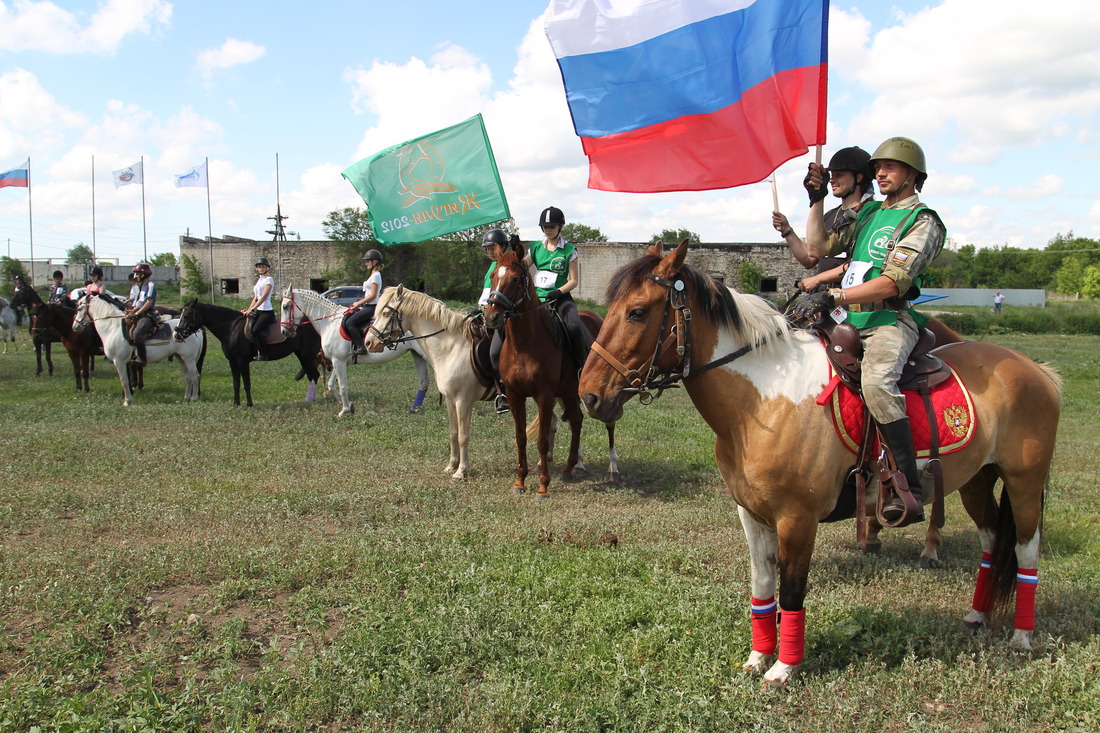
point(542, 494)
point(614, 477)
point(872, 549)
point(929, 563)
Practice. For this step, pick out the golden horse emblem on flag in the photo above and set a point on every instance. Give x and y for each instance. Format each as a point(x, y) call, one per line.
point(420, 173)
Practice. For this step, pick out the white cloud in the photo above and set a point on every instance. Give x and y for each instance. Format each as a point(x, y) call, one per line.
point(1048, 185)
point(231, 53)
point(43, 26)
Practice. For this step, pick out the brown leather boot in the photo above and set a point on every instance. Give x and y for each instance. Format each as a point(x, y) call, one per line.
point(899, 440)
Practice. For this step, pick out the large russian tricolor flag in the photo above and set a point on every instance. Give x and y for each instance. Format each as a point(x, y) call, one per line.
point(690, 95)
point(18, 177)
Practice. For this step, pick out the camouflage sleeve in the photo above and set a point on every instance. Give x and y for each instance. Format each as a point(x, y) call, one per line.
point(915, 252)
point(842, 237)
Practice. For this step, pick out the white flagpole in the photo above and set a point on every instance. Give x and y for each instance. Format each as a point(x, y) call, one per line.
point(144, 235)
point(30, 218)
point(93, 215)
point(209, 227)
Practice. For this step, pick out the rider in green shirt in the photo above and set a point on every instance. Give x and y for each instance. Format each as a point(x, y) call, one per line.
point(558, 273)
point(891, 244)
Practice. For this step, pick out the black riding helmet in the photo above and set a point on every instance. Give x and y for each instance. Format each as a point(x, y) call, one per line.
point(552, 216)
point(495, 236)
point(373, 254)
point(856, 160)
point(97, 270)
point(261, 261)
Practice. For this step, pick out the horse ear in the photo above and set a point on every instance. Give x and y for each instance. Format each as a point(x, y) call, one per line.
point(657, 249)
point(520, 250)
point(400, 290)
point(670, 264)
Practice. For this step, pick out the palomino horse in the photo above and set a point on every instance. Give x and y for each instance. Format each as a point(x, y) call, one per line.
point(106, 314)
point(7, 324)
point(229, 324)
point(531, 365)
point(755, 383)
point(82, 346)
point(447, 337)
point(306, 305)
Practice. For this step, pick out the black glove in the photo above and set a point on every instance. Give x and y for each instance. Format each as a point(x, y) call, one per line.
point(817, 194)
point(808, 305)
point(513, 242)
point(553, 295)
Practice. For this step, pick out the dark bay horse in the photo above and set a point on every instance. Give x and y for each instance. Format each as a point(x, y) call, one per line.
point(531, 365)
point(44, 338)
point(755, 383)
point(229, 324)
point(82, 346)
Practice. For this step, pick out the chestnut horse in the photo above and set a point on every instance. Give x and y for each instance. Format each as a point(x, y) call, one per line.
point(755, 382)
point(81, 345)
point(531, 365)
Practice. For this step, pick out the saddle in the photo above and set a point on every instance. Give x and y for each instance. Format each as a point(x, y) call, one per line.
point(271, 335)
point(162, 329)
point(922, 372)
point(480, 361)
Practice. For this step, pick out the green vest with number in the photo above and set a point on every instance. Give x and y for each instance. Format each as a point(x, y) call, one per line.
point(875, 230)
point(556, 262)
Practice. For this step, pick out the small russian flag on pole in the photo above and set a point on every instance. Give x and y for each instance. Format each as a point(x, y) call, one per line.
point(18, 177)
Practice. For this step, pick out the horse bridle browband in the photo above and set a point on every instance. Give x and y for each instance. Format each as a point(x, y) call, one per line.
point(654, 379)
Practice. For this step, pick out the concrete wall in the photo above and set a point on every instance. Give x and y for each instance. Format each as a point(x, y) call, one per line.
point(297, 263)
point(984, 296)
point(292, 263)
point(75, 275)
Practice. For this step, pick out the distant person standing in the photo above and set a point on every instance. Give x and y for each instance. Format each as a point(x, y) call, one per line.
point(998, 299)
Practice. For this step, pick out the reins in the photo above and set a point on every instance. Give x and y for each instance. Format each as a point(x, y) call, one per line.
point(655, 382)
point(386, 339)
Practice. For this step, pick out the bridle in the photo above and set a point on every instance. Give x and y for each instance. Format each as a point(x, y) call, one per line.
point(655, 381)
point(392, 313)
point(509, 307)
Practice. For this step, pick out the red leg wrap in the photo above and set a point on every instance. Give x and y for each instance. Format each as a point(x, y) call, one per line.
point(1026, 583)
point(983, 592)
point(764, 631)
point(792, 636)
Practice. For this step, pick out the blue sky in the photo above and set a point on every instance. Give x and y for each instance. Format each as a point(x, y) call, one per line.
point(1002, 96)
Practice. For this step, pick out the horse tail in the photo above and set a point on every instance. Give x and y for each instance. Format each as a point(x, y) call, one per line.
point(533, 428)
point(301, 373)
point(1003, 580)
point(202, 351)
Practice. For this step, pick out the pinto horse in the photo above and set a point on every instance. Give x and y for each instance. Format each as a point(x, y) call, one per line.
point(8, 323)
point(106, 314)
point(229, 326)
point(300, 306)
point(755, 382)
point(82, 346)
point(531, 365)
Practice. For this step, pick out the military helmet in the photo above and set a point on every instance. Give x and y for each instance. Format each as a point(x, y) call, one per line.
point(903, 150)
point(373, 254)
point(261, 261)
point(495, 236)
point(551, 216)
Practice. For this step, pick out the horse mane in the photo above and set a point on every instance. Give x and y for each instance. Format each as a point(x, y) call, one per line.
point(314, 299)
point(422, 305)
point(752, 319)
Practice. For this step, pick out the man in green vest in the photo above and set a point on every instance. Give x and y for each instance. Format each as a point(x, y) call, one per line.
point(891, 244)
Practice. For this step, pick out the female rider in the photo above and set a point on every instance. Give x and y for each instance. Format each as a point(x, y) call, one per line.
point(361, 312)
point(263, 315)
point(558, 273)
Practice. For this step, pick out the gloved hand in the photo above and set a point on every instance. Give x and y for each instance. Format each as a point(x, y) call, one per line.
point(808, 305)
point(553, 295)
point(513, 242)
point(817, 191)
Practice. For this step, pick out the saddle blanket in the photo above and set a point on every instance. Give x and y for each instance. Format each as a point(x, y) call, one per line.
point(951, 404)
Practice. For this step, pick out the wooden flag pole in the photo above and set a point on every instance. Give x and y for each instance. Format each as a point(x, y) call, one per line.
point(775, 195)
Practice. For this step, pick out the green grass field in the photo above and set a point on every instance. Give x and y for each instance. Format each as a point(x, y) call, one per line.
point(202, 567)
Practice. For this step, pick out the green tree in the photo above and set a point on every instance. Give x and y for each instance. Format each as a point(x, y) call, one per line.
point(9, 268)
point(576, 232)
point(192, 281)
point(81, 254)
point(349, 224)
point(164, 259)
point(748, 277)
point(674, 236)
point(1090, 282)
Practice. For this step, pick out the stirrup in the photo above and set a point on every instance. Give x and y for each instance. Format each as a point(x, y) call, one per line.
point(898, 515)
point(500, 404)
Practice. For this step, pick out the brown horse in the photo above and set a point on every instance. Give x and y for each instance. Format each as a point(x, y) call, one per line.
point(755, 382)
point(531, 365)
point(82, 346)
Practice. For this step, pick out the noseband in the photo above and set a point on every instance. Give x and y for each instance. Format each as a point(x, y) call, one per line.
point(655, 381)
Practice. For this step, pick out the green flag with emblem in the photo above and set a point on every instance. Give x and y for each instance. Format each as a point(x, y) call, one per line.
point(434, 185)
